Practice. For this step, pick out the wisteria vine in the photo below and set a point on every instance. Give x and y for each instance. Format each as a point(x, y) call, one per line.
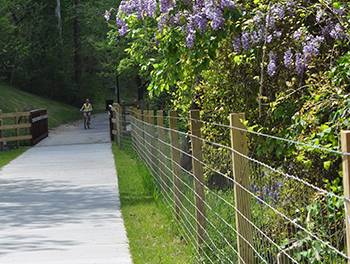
point(269, 27)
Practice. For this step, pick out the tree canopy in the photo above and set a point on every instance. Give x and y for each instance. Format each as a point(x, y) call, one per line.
point(57, 48)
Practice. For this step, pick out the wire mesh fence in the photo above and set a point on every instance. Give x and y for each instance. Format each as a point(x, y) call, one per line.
point(230, 206)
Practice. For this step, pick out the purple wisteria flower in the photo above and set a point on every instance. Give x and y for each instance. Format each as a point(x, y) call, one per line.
point(227, 4)
point(270, 21)
point(278, 11)
point(214, 14)
point(288, 58)
point(237, 45)
point(339, 11)
point(151, 7)
point(190, 38)
point(311, 47)
point(299, 63)
point(140, 8)
point(297, 34)
point(269, 38)
point(122, 26)
point(337, 32)
point(255, 37)
point(320, 15)
point(165, 5)
point(258, 18)
point(198, 20)
point(272, 67)
point(245, 39)
point(163, 20)
point(290, 5)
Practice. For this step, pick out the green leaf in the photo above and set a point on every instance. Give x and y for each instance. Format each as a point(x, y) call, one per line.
point(327, 164)
point(238, 59)
point(337, 5)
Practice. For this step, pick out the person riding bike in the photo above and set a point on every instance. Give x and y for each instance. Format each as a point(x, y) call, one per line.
point(86, 109)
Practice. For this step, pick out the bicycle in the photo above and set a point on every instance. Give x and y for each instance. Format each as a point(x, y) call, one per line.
point(87, 120)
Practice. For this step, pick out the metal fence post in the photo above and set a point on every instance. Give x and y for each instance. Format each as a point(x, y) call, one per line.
point(198, 173)
point(239, 144)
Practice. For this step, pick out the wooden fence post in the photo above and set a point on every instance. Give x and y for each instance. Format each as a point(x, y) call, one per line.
point(175, 157)
point(160, 147)
point(115, 121)
point(152, 143)
point(132, 119)
point(240, 170)
point(120, 125)
point(345, 143)
point(111, 125)
point(1, 123)
point(32, 128)
point(17, 130)
point(138, 125)
point(197, 165)
point(142, 128)
point(146, 129)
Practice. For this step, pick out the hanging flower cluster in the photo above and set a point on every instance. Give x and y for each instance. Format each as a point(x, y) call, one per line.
point(273, 28)
point(270, 27)
point(198, 15)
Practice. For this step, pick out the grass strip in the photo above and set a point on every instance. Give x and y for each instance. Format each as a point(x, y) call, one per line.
point(152, 233)
point(7, 156)
point(13, 100)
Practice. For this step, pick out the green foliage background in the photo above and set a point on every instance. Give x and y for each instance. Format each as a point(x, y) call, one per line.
point(35, 58)
point(312, 108)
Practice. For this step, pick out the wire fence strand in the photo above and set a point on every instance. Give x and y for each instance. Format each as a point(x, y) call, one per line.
point(222, 240)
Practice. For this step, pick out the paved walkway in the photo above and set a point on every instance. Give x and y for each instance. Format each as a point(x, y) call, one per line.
point(59, 202)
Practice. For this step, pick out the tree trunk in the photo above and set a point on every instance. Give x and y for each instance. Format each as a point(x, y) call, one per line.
point(59, 19)
point(77, 46)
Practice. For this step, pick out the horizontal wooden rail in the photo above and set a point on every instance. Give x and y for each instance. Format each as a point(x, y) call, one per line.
point(34, 123)
point(13, 115)
point(39, 118)
point(19, 138)
point(17, 126)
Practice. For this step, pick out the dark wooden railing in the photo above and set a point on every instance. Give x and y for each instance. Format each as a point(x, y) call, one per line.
point(23, 126)
point(39, 125)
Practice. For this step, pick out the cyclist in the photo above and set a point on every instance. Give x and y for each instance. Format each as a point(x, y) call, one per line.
point(86, 109)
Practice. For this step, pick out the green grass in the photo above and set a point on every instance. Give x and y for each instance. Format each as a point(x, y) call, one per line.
point(7, 156)
point(152, 234)
point(12, 100)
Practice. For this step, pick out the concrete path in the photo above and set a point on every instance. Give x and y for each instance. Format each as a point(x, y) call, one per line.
point(59, 202)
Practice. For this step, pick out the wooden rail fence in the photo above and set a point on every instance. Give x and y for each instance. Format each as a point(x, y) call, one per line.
point(31, 126)
point(119, 121)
